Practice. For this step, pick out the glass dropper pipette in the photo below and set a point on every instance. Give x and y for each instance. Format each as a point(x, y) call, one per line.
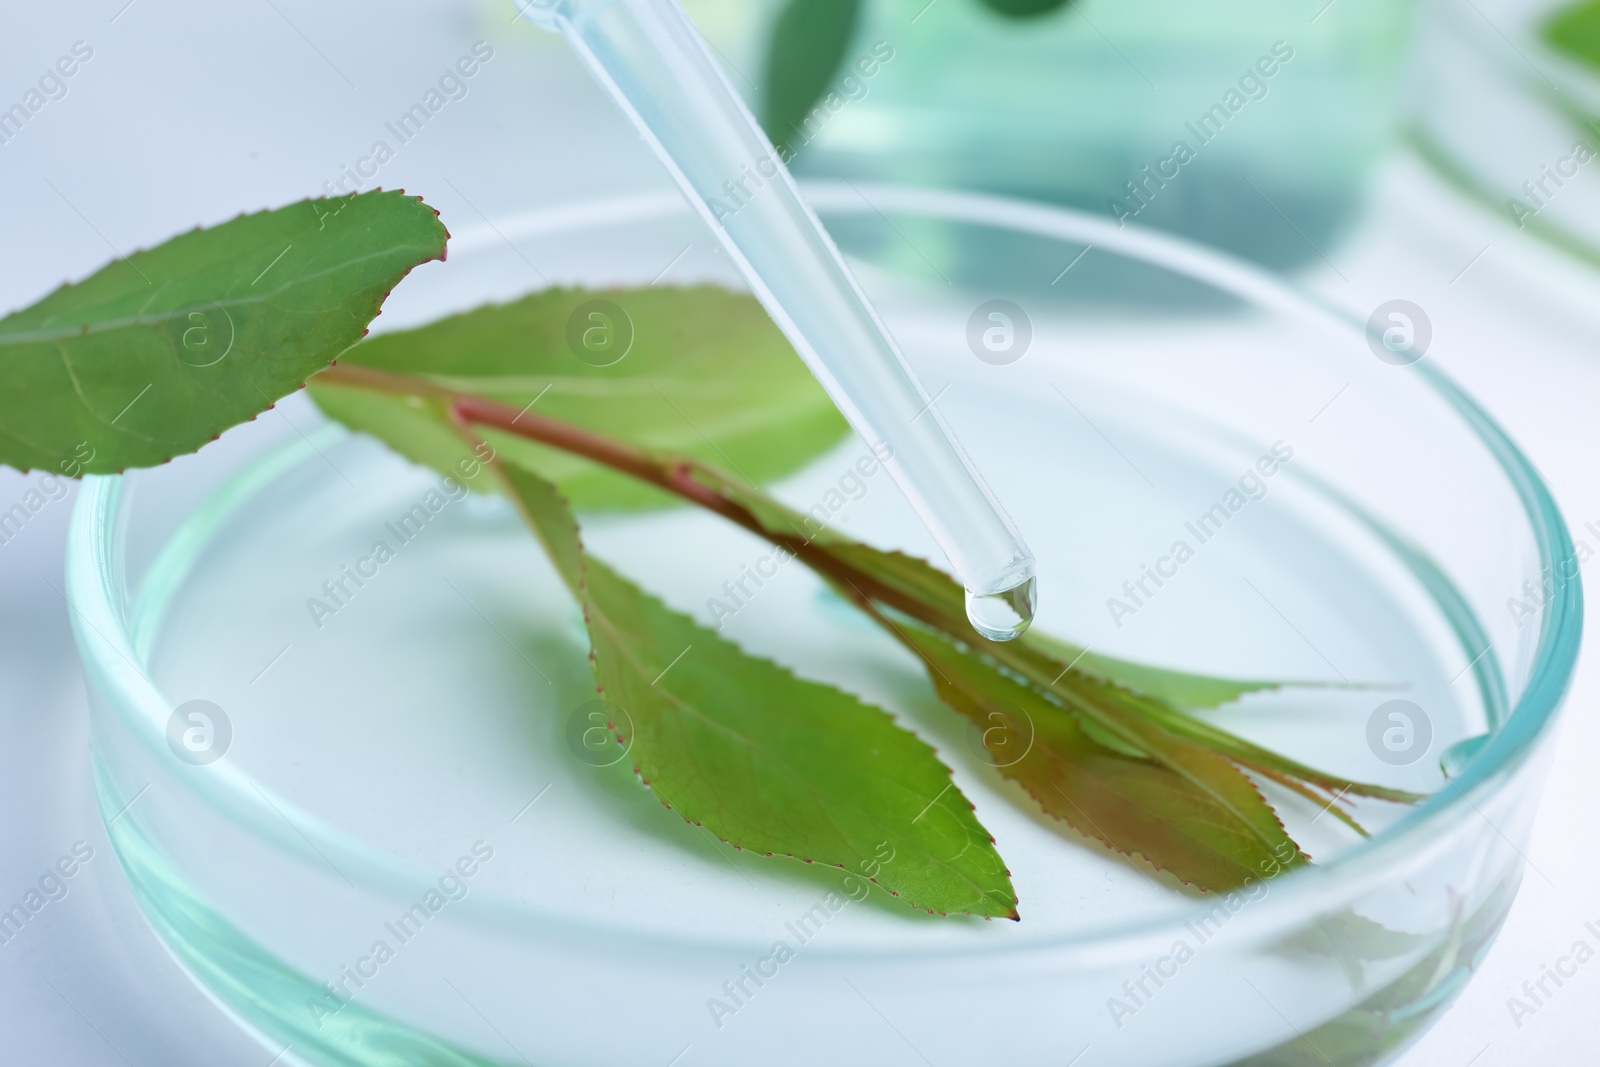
point(659, 69)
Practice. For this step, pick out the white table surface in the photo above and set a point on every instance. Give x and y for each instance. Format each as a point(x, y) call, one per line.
point(189, 115)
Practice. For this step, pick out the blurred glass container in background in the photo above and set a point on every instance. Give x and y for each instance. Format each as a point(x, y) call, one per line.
point(1507, 109)
point(1282, 108)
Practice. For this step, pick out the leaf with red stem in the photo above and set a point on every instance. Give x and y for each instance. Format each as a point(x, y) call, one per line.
point(1114, 752)
point(765, 760)
point(699, 372)
point(157, 353)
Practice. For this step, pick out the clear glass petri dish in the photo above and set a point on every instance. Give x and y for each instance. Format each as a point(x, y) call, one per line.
point(377, 840)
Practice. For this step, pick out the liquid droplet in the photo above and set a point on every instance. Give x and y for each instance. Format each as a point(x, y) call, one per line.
point(1004, 615)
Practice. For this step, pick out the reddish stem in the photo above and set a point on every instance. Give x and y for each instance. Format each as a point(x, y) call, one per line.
point(675, 477)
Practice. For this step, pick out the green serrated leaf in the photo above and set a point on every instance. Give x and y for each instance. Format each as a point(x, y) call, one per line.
point(807, 48)
point(1134, 804)
point(156, 354)
point(917, 587)
point(1201, 817)
point(1120, 719)
point(765, 760)
point(1181, 807)
point(702, 372)
point(1108, 739)
point(1574, 31)
point(1274, 765)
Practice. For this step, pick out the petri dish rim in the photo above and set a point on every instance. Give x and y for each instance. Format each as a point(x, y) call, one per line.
point(96, 594)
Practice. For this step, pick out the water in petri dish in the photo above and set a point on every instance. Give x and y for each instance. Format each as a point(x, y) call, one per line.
point(431, 687)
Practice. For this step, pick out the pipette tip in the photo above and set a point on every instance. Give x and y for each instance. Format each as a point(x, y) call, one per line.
point(1005, 615)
